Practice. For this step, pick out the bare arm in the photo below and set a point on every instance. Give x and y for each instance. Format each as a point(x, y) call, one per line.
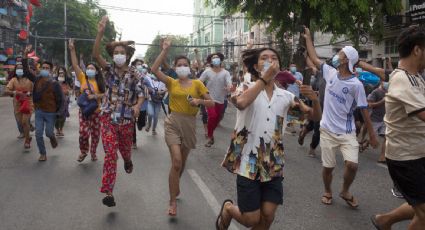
point(372, 104)
point(74, 60)
point(372, 137)
point(96, 47)
point(248, 96)
point(314, 113)
point(370, 68)
point(311, 50)
point(160, 59)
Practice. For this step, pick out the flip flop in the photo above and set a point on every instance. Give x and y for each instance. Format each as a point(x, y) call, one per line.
point(373, 220)
point(171, 212)
point(82, 157)
point(349, 201)
point(329, 199)
point(219, 217)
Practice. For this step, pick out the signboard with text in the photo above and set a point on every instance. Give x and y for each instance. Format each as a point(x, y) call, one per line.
point(417, 11)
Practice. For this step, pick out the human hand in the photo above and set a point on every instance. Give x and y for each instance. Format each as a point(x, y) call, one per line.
point(27, 50)
point(102, 24)
point(166, 43)
point(195, 102)
point(308, 92)
point(71, 45)
point(373, 141)
point(271, 72)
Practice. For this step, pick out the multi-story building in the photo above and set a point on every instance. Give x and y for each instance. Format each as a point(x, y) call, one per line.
point(207, 28)
point(12, 21)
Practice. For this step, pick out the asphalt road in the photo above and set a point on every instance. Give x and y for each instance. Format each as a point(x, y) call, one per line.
point(64, 194)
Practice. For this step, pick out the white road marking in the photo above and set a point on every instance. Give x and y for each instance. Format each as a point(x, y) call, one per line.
point(206, 192)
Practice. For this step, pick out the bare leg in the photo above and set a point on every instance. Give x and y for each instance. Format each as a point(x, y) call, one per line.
point(185, 153)
point(382, 156)
point(418, 221)
point(327, 181)
point(268, 211)
point(350, 171)
point(404, 212)
point(174, 177)
point(248, 219)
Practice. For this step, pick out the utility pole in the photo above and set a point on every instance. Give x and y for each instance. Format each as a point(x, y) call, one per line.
point(65, 35)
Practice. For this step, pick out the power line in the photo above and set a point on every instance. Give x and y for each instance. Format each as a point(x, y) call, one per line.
point(167, 13)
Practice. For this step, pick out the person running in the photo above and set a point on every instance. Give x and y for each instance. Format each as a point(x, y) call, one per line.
point(405, 122)
point(64, 112)
point(219, 84)
point(20, 88)
point(155, 102)
point(93, 84)
point(48, 100)
point(256, 149)
point(344, 92)
point(120, 107)
point(180, 126)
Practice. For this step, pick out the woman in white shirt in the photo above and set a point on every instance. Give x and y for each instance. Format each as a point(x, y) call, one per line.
point(256, 149)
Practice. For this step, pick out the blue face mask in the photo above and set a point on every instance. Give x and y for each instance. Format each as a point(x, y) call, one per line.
point(266, 66)
point(139, 68)
point(216, 61)
point(44, 73)
point(19, 72)
point(335, 61)
point(90, 73)
point(293, 69)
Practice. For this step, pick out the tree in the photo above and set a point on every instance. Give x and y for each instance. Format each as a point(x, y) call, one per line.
point(340, 17)
point(82, 19)
point(177, 48)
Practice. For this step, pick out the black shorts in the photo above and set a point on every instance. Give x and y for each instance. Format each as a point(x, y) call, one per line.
point(251, 193)
point(409, 178)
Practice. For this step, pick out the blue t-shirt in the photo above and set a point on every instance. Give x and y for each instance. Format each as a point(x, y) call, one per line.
point(294, 88)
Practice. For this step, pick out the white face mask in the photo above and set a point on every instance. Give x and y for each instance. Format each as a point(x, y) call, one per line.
point(61, 79)
point(183, 71)
point(120, 59)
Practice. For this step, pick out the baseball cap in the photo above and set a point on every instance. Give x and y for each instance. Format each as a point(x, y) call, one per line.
point(352, 55)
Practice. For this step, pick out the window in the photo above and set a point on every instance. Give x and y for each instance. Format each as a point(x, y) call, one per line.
point(391, 46)
point(207, 38)
point(363, 54)
point(246, 25)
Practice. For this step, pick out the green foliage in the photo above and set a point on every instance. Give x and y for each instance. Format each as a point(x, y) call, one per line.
point(82, 19)
point(339, 17)
point(153, 51)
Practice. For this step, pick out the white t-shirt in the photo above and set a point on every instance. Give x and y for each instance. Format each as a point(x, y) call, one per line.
point(76, 82)
point(217, 83)
point(342, 97)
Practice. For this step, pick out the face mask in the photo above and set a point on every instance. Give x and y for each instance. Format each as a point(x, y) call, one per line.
point(293, 69)
point(73, 74)
point(144, 71)
point(120, 59)
point(359, 70)
point(61, 79)
point(139, 68)
point(266, 66)
point(386, 85)
point(19, 72)
point(183, 71)
point(216, 61)
point(44, 73)
point(335, 61)
point(90, 73)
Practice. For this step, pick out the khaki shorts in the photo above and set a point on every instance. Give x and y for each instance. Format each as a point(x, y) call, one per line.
point(180, 129)
point(330, 143)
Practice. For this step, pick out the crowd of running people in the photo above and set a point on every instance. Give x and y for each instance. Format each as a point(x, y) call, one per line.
point(338, 105)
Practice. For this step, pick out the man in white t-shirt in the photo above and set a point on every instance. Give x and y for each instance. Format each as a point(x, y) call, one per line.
point(343, 94)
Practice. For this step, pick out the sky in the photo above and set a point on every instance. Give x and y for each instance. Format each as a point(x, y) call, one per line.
point(142, 28)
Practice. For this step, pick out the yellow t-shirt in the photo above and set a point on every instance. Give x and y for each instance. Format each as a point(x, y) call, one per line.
point(93, 84)
point(178, 95)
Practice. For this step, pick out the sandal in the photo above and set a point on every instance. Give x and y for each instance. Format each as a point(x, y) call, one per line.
point(349, 201)
point(42, 158)
point(27, 144)
point(373, 220)
point(93, 158)
point(209, 143)
point(172, 210)
point(82, 157)
point(128, 166)
point(363, 145)
point(109, 201)
point(328, 199)
point(218, 223)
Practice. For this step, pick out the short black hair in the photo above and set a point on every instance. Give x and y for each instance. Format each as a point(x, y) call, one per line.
point(176, 59)
point(220, 55)
point(408, 39)
point(133, 63)
point(48, 63)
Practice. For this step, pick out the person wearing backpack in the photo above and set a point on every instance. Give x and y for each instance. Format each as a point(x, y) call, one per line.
point(91, 91)
point(154, 105)
point(48, 100)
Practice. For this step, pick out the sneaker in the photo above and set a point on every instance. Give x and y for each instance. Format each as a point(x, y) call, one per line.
point(53, 142)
